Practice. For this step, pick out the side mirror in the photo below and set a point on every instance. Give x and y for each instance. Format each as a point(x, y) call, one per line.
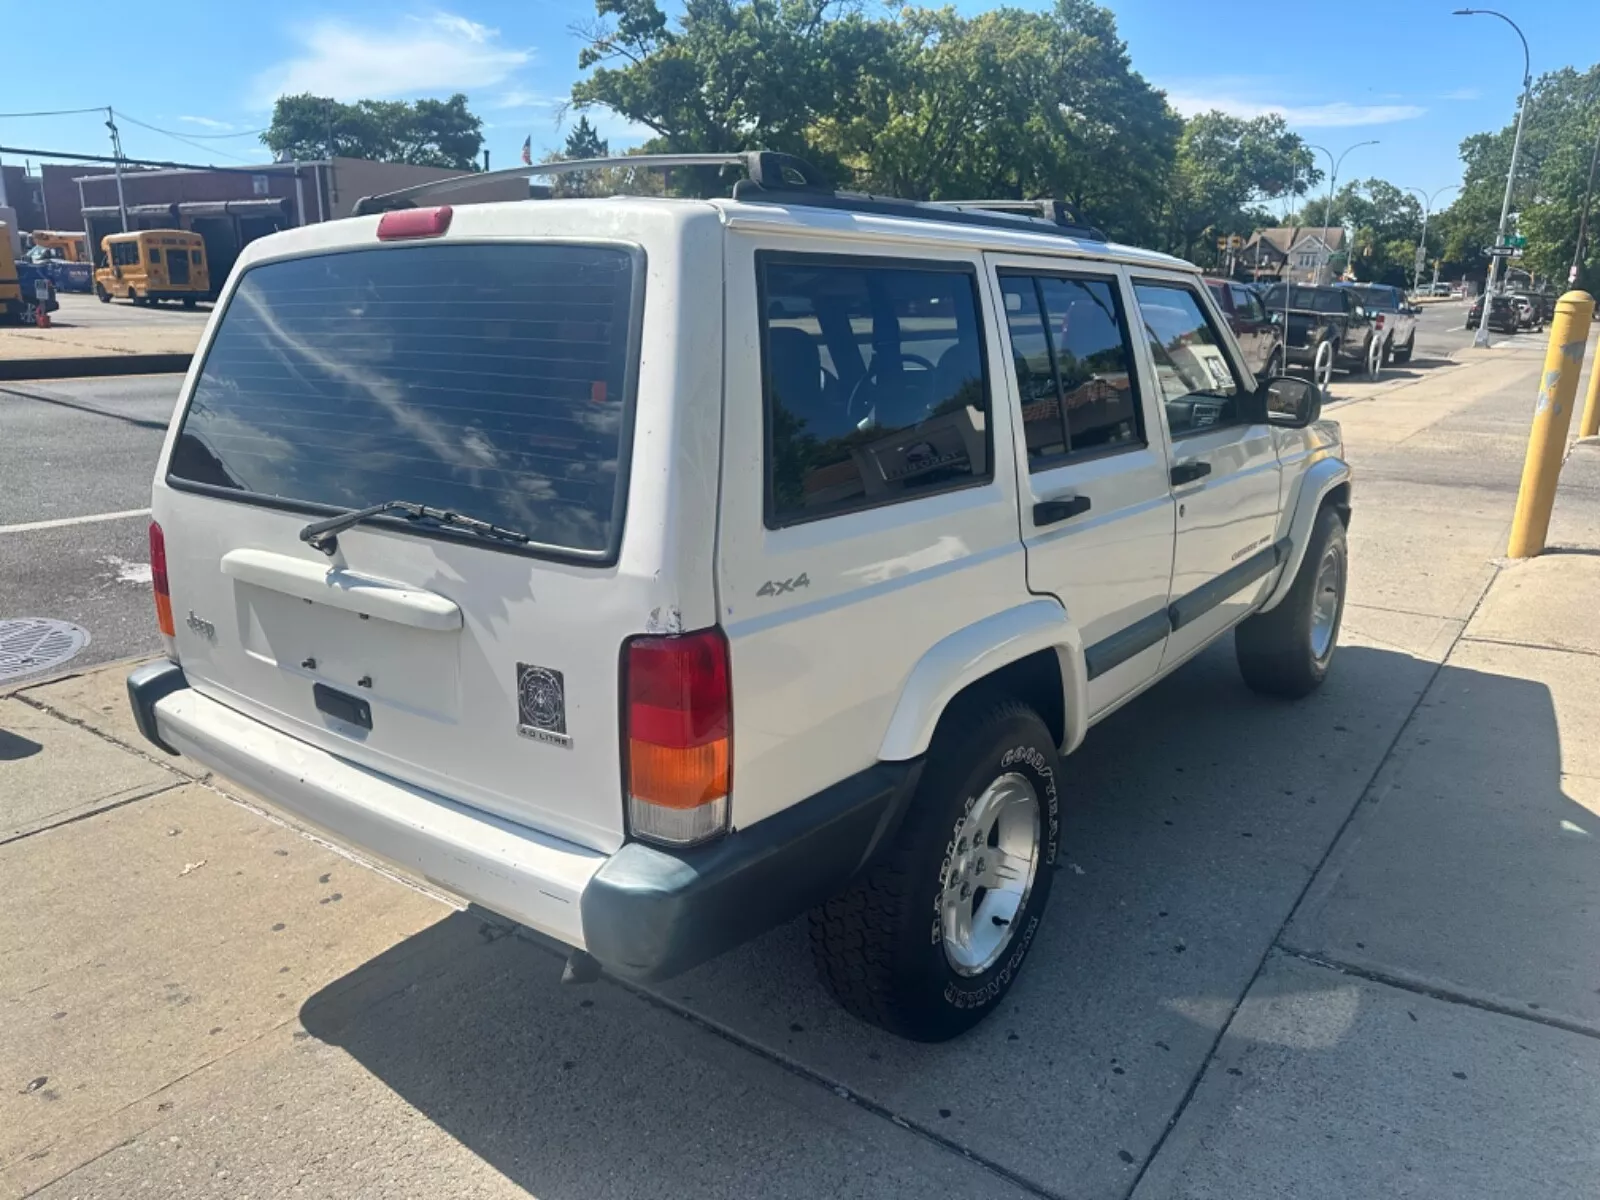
point(1360, 311)
point(1293, 403)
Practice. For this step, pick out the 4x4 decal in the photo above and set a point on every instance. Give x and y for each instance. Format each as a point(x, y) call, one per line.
point(777, 587)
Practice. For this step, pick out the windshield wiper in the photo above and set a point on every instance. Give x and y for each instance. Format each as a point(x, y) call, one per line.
point(324, 534)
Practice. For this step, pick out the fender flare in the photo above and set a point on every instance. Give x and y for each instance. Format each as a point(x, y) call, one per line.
point(978, 650)
point(1318, 480)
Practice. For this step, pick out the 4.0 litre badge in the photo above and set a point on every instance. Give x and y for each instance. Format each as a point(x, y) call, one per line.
point(542, 705)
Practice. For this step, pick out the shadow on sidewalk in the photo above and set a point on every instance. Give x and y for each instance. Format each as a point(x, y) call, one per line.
point(1201, 812)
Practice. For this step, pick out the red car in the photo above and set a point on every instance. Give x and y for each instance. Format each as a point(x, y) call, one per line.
point(1258, 337)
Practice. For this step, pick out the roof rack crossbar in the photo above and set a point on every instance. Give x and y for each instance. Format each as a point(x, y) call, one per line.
point(766, 168)
point(958, 212)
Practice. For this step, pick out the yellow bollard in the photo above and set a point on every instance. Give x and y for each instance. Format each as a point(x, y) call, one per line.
point(1590, 425)
point(1552, 417)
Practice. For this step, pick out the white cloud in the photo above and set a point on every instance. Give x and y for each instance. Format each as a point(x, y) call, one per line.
point(1461, 94)
point(1308, 116)
point(520, 98)
point(208, 123)
point(442, 52)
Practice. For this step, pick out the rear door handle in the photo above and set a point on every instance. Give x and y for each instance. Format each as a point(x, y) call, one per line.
point(1048, 512)
point(1188, 472)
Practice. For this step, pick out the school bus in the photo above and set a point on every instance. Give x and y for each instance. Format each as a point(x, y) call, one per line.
point(152, 265)
point(72, 247)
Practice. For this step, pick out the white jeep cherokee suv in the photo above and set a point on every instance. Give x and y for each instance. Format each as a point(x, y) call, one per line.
point(654, 571)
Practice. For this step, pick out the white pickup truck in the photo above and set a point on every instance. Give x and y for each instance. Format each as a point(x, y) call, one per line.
point(655, 571)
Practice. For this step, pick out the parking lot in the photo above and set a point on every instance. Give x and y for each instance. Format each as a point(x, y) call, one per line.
point(1281, 959)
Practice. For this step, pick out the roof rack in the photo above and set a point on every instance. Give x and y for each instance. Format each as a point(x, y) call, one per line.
point(766, 168)
point(775, 178)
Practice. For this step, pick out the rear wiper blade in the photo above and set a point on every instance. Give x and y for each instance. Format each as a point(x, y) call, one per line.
point(324, 534)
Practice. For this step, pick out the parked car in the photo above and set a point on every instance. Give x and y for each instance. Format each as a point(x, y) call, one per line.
point(1528, 312)
point(657, 628)
point(1503, 314)
point(1327, 329)
point(1394, 316)
point(1258, 336)
point(1443, 289)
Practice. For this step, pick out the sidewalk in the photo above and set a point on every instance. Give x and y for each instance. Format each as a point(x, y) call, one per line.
point(1340, 949)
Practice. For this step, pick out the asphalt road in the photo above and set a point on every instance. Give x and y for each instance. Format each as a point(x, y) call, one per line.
point(79, 309)
point(72, 451)
point(82, 448)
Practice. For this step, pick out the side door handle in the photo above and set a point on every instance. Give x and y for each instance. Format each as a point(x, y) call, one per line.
point(1048, 512)
point(1188, 472)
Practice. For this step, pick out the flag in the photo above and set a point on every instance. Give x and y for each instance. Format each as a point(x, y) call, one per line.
point(527, 150)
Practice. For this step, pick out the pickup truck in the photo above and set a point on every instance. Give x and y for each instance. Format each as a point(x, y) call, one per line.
point(1327, 329)
point(1258, 335)
point(1396, 317)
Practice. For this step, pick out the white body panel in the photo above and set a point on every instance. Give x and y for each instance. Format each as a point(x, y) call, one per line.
point(903, 604)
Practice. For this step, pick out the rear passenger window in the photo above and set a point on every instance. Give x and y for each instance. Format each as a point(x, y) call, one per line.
point(1198, 388)
point(1072, 353)
point(875, 384)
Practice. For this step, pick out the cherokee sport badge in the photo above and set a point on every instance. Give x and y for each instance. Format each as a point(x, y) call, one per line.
point(542, 705)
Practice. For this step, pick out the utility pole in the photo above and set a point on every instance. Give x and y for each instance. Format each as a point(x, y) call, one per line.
point(1481, 338)
point(1583, 221)
point(116, 152)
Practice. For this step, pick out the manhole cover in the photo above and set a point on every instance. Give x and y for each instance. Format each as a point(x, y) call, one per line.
point(29, 644)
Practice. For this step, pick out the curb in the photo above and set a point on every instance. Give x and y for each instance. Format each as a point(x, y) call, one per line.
point(87, 365)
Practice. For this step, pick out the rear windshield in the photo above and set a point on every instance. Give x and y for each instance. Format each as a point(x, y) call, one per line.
point(1307, 299)
point(1381, 298)
point(487, 379)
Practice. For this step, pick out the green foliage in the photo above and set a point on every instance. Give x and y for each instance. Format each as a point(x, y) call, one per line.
point(430, 133)
point(584, 142)
point(1225, 166)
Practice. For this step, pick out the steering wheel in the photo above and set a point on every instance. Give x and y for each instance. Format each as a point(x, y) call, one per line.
point(871, 373)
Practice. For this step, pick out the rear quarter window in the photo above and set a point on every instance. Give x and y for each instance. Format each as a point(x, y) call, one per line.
point(491, 379)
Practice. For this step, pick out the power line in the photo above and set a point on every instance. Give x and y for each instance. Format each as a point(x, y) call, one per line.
point(181, 138)
point(59, 112)
point(204, 137)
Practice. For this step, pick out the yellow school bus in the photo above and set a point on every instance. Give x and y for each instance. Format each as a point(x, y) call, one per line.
point(152, 265)
point(73, 247)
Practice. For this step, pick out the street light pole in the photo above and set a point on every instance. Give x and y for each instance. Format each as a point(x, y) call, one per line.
point(1327, 209)
point(1422, 242)
point(1481, 338)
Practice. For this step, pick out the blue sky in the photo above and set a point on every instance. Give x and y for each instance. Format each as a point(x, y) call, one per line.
point(1402, 71)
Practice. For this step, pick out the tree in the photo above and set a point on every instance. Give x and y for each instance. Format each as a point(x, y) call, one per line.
point(428, 133)
point(1225, 166)
point(920, 103)
point(584, 142)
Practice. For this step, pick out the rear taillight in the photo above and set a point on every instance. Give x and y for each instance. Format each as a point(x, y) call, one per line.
point(1379, 325)
point(679, 736)
point(158, 580)
point(414, 223)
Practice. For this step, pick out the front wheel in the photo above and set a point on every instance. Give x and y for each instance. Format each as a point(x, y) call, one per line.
point(101, 294)
point(1375, 356)
point(1287, 650)
point(929, 940)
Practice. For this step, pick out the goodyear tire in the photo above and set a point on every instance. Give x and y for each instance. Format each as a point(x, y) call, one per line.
point(980, 837)
point(1287, 650)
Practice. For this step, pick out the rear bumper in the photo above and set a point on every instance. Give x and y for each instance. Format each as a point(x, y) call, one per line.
point(643, 912)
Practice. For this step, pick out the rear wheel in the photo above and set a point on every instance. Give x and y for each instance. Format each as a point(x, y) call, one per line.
point(1375, 355)
point(188, 301)
point(1286, 651)
point(929, 940)
point(135, 297)
point(101, 294)
point(1404, 353)
point(1322, 366)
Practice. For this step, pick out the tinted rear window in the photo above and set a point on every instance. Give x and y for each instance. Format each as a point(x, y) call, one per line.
point(1307, 299)
point(1381, 298)
point(487, 379)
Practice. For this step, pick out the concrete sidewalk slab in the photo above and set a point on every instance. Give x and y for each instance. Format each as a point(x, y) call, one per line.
point(1422, 549)
point(1329, 1087)
point(1196, 816)
point(1475, 866)
point(459, 1066)
point(1551, 601)
point(51, 772)
point(142, 943)
point(98, 700)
